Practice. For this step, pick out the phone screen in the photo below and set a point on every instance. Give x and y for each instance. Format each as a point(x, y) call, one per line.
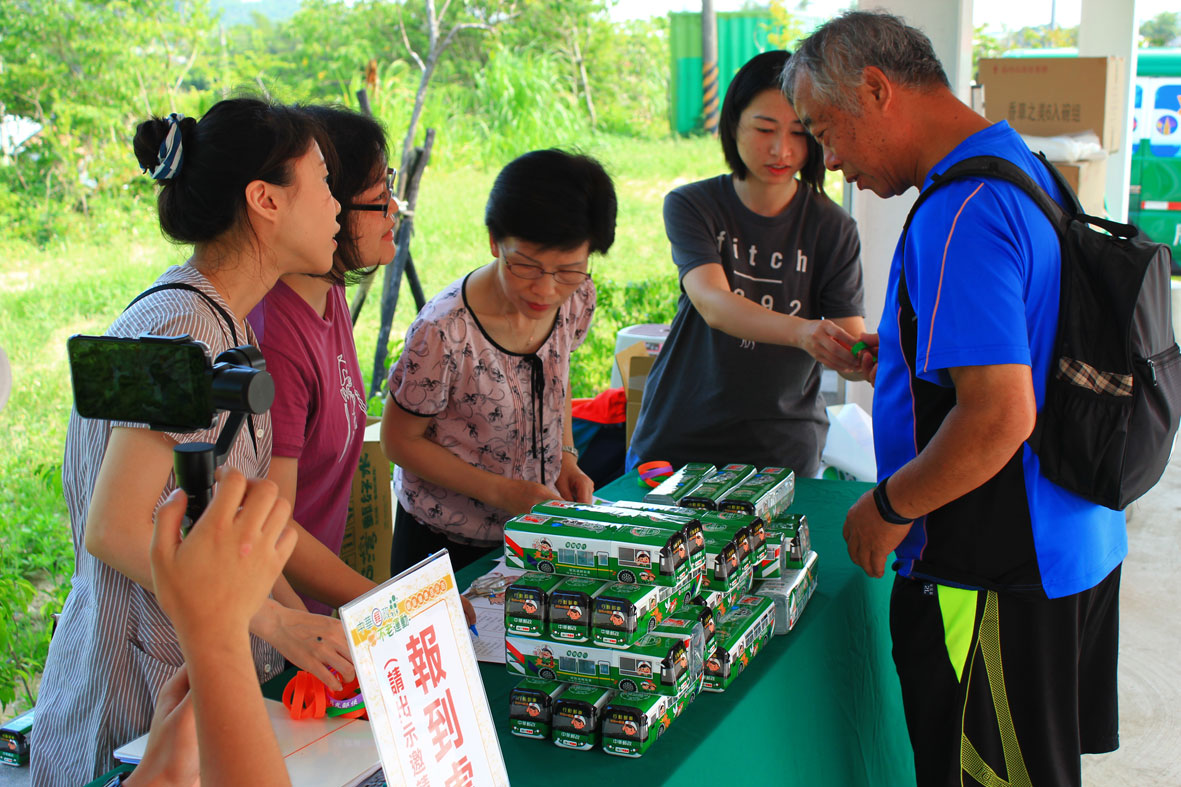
point(165, 383)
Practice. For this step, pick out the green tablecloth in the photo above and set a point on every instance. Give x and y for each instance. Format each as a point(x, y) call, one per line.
point(819, 706)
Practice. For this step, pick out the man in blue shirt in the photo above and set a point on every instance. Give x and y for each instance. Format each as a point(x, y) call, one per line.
point(1004, 612)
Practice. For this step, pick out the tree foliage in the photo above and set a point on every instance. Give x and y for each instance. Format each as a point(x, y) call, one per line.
point(1164, 29)
point(515, 76)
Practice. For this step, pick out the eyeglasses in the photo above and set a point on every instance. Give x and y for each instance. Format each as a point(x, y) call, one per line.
point(534, 271)
point(384, 207)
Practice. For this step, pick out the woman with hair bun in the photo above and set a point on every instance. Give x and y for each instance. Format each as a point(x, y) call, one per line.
point(305, 333)
point(478, 414)
point(247, 187)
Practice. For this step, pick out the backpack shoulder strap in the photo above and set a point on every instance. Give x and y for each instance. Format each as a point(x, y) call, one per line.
point(1003, 169)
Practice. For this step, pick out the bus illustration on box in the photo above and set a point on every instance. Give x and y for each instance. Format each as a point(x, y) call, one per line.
point(656, 664)
point(624, 613)
point(526, 603)
point(577, 717)
point(570, 605)
point(598, 550)
point(531, 707)
point(637, 515)
point(632, 722)
point(741, 635)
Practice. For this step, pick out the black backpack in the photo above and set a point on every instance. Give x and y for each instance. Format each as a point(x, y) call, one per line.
point(1106, 427)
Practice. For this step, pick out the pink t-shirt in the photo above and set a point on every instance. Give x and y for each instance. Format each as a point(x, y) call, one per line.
point(319, 409)
point(497, 410)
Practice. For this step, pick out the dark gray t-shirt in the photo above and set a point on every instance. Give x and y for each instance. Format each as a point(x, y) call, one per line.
point(713, 398)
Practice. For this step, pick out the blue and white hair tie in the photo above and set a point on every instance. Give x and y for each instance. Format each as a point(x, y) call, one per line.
point(171, 154)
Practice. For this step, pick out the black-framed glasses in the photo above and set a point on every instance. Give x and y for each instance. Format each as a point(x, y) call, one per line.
point(533, 271)
point(384, 207)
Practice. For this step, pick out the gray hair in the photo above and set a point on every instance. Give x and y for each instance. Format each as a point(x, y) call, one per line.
point(835, 55)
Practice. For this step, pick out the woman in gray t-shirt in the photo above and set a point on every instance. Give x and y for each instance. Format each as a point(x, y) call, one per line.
point(771, 290)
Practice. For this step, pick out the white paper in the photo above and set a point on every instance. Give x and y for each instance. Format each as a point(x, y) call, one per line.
point(486, 595)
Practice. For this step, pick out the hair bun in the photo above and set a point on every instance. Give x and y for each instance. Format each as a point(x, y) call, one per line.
point(159, 144)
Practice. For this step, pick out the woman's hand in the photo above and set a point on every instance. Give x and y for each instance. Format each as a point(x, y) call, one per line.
point(518, 496)
point(573, 484)
point(170, 757)
point(310, 642)
point(829, 344)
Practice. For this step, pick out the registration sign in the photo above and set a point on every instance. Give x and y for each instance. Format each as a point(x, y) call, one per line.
point(418, 673)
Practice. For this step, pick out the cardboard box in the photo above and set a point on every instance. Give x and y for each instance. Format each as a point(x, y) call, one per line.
point(1089, 181)
point(369, 533)
point(1047, 96)
point(638, 364)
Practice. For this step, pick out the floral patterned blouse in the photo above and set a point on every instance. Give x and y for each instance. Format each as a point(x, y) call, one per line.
point(499, 411)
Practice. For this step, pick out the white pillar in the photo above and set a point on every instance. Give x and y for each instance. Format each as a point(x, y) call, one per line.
point(879, 221)
point(1109, 27)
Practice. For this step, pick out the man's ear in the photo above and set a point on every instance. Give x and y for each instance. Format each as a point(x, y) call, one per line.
point(263, 200)
point(493, 246)
point(876, 88)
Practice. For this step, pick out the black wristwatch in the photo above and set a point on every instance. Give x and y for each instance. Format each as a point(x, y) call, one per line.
point(885, 510)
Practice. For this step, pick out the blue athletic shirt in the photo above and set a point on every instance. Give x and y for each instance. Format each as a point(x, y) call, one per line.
point(982, 270)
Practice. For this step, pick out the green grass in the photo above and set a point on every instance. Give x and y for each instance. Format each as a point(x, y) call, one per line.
point(80, 285)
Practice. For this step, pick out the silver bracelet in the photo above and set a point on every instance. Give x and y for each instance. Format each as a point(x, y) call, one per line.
point(569, 449)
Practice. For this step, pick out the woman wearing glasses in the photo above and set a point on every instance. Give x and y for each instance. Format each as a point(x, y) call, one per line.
point(478, 414)
point(306, 335)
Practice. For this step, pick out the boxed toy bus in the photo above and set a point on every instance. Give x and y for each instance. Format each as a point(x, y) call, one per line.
point(632, 722)
point(597, 550)
point(526, 603)
point(624, 613)
point(728, 566)
point(793, 532)
point(713, 521)
point(570, 606)
point(653, 664)
point(765, 494)
point(791, 593)
point(688, 526)
point(577, 716)
point(742, 633)
point(674, 488)
point(531, 707)
point(707, 494)
point(688, 628)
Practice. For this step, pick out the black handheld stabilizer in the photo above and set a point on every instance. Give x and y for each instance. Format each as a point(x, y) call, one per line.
point(169, 383)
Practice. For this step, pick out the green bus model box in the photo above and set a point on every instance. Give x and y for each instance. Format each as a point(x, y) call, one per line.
point(707, 494)
point(526, 603)
point(598, 550)
point(14, 739)
point(531, 707)
point(791, 593)
point(728, 565)
point(765, 494)
point(655, 664)
point(793, 530)
point(577, 716)
point(689, 629)
point(624, 613)
point(714, 521)
point(570, 605)
point(742, 633)
point(632, 722)
point(674, 488)
point(689, 527)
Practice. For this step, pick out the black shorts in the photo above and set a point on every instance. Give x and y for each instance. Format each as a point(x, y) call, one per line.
point(1005, 685)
